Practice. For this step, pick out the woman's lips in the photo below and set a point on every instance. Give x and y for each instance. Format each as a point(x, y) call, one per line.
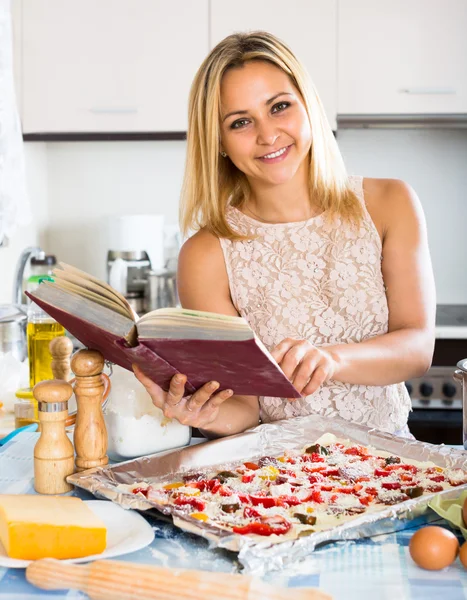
point(277, 158)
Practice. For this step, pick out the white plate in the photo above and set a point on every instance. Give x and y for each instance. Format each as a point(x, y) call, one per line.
point(127, 531)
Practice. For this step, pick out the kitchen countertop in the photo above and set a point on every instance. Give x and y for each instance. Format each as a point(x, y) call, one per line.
point(450, 333)
point(378, 567)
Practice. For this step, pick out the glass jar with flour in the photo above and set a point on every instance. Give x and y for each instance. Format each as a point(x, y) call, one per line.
point(135, 427)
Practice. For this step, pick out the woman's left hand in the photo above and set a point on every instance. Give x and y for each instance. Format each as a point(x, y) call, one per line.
point(307, 366)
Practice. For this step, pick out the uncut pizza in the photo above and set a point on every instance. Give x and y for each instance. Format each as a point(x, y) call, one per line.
point(298, 492)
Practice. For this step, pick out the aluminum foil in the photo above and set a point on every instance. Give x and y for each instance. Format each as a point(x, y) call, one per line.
point(271, 439)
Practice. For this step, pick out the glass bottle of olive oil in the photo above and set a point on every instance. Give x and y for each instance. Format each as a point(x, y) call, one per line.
point(41, 329)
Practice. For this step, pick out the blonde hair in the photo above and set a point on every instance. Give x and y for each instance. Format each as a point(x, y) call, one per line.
point(211, 183)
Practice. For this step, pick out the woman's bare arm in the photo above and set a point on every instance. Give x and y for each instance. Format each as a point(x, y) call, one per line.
point(406, 350)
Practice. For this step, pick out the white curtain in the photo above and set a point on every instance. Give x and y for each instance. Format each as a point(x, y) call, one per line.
point(14, 204)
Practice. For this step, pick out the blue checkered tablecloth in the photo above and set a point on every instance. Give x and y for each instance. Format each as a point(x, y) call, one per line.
point(377, 568)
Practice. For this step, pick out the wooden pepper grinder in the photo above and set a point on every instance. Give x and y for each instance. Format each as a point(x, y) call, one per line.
point(90, 435)
point(53, 452)
point(61, 348)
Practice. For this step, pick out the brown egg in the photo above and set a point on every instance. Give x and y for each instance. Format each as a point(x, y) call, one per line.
point(463, 554)
point(433, 547)
point(464, 512)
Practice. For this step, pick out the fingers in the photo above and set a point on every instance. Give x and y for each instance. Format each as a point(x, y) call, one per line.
point(317, 379)
point(293, 356)
point(303, 372)
point(280, 350)
point(176, 390)
point(201, 396)
point(154, 390)
point(218, 399)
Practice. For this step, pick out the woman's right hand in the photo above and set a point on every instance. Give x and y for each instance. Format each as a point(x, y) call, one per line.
point(198, 410)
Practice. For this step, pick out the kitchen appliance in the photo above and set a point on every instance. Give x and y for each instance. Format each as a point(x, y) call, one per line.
point(127, 273)
point(437, 396)
point(13, 331)
point(161, 289)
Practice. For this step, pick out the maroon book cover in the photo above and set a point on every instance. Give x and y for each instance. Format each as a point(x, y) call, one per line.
point(238, 365)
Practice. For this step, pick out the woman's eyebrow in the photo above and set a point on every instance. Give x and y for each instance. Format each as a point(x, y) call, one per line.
point(244, 112)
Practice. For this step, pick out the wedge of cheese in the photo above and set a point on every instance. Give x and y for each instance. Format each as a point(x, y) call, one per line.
point(34, 527)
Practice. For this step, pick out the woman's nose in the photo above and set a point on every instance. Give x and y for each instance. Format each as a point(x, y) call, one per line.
point(267, 134)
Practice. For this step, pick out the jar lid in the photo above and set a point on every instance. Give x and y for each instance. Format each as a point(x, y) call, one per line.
point(47, 260)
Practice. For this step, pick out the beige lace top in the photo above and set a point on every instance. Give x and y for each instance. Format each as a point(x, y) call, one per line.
point(322, 282)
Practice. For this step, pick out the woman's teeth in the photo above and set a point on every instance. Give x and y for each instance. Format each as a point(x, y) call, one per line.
point(275, 154)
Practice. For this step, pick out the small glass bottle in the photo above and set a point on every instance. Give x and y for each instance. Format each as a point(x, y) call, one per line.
point(41, 330)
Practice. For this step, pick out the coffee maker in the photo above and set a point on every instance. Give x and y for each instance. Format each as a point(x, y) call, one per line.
point(127, 273)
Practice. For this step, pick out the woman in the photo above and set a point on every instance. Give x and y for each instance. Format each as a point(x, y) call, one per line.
point(332, 272)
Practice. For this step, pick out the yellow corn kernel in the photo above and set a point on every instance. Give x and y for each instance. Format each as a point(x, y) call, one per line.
point(310, 510)
point(199, 516)
point(270, 473)
point(172, 486)
point(281, 459)
point(439, 469)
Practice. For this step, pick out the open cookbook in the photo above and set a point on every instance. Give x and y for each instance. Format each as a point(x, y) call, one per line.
point(203, 346)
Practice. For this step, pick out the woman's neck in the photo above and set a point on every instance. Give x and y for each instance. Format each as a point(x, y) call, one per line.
point(284, 203)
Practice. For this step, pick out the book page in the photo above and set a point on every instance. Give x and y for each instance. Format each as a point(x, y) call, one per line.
point(77, 276)
point(86, 309)
point(180, 323)
point(85, 293)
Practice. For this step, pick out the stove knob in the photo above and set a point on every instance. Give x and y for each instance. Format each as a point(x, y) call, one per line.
point(449, 390)
point(409, 387)
point(426, 389)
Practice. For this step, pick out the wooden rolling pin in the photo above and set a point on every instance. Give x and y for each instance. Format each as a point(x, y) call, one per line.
point(109, 580)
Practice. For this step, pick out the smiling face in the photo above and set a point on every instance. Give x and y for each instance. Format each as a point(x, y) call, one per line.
point(268, 136)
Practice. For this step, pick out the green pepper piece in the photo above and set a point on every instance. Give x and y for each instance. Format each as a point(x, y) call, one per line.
point(305, 519)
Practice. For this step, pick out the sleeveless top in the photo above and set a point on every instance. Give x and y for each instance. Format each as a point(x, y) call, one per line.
point(320, 281)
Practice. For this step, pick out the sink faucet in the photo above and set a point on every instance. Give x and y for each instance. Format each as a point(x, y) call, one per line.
point(27, 253)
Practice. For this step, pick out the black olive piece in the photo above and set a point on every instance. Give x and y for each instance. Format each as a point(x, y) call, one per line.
point(267, 461)
point(230, 508)
point(317, 449)
point(305, 519)
point(224, 475)
point(392, 460)
point(413, 492)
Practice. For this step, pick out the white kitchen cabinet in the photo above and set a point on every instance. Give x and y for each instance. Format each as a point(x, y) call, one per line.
point(309, 27)
point(402, 57)
point(110, 65)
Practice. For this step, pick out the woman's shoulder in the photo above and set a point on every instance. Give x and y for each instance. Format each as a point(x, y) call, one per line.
point(202, 247)
point(388, 201)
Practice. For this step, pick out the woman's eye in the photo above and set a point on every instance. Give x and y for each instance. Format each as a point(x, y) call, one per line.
point(280, 106)
point(237, 124)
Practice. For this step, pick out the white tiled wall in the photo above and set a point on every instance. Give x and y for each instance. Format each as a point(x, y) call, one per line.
point(74, 186)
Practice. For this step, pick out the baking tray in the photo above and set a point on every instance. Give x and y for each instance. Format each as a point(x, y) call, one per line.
point(271, 439)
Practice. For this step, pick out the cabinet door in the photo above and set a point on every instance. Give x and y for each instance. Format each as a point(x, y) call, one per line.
point(110, 65)
point(402, 56)
point(309, 27)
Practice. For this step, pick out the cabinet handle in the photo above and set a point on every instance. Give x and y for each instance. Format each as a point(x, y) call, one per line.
point(117, 110)
point(428, 91)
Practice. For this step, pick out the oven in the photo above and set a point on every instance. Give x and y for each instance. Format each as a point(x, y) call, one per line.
point(437, 397)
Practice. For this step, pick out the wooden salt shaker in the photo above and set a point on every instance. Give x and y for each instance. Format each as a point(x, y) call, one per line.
point(53, 452)
point(90, 435)
point(61, 348)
